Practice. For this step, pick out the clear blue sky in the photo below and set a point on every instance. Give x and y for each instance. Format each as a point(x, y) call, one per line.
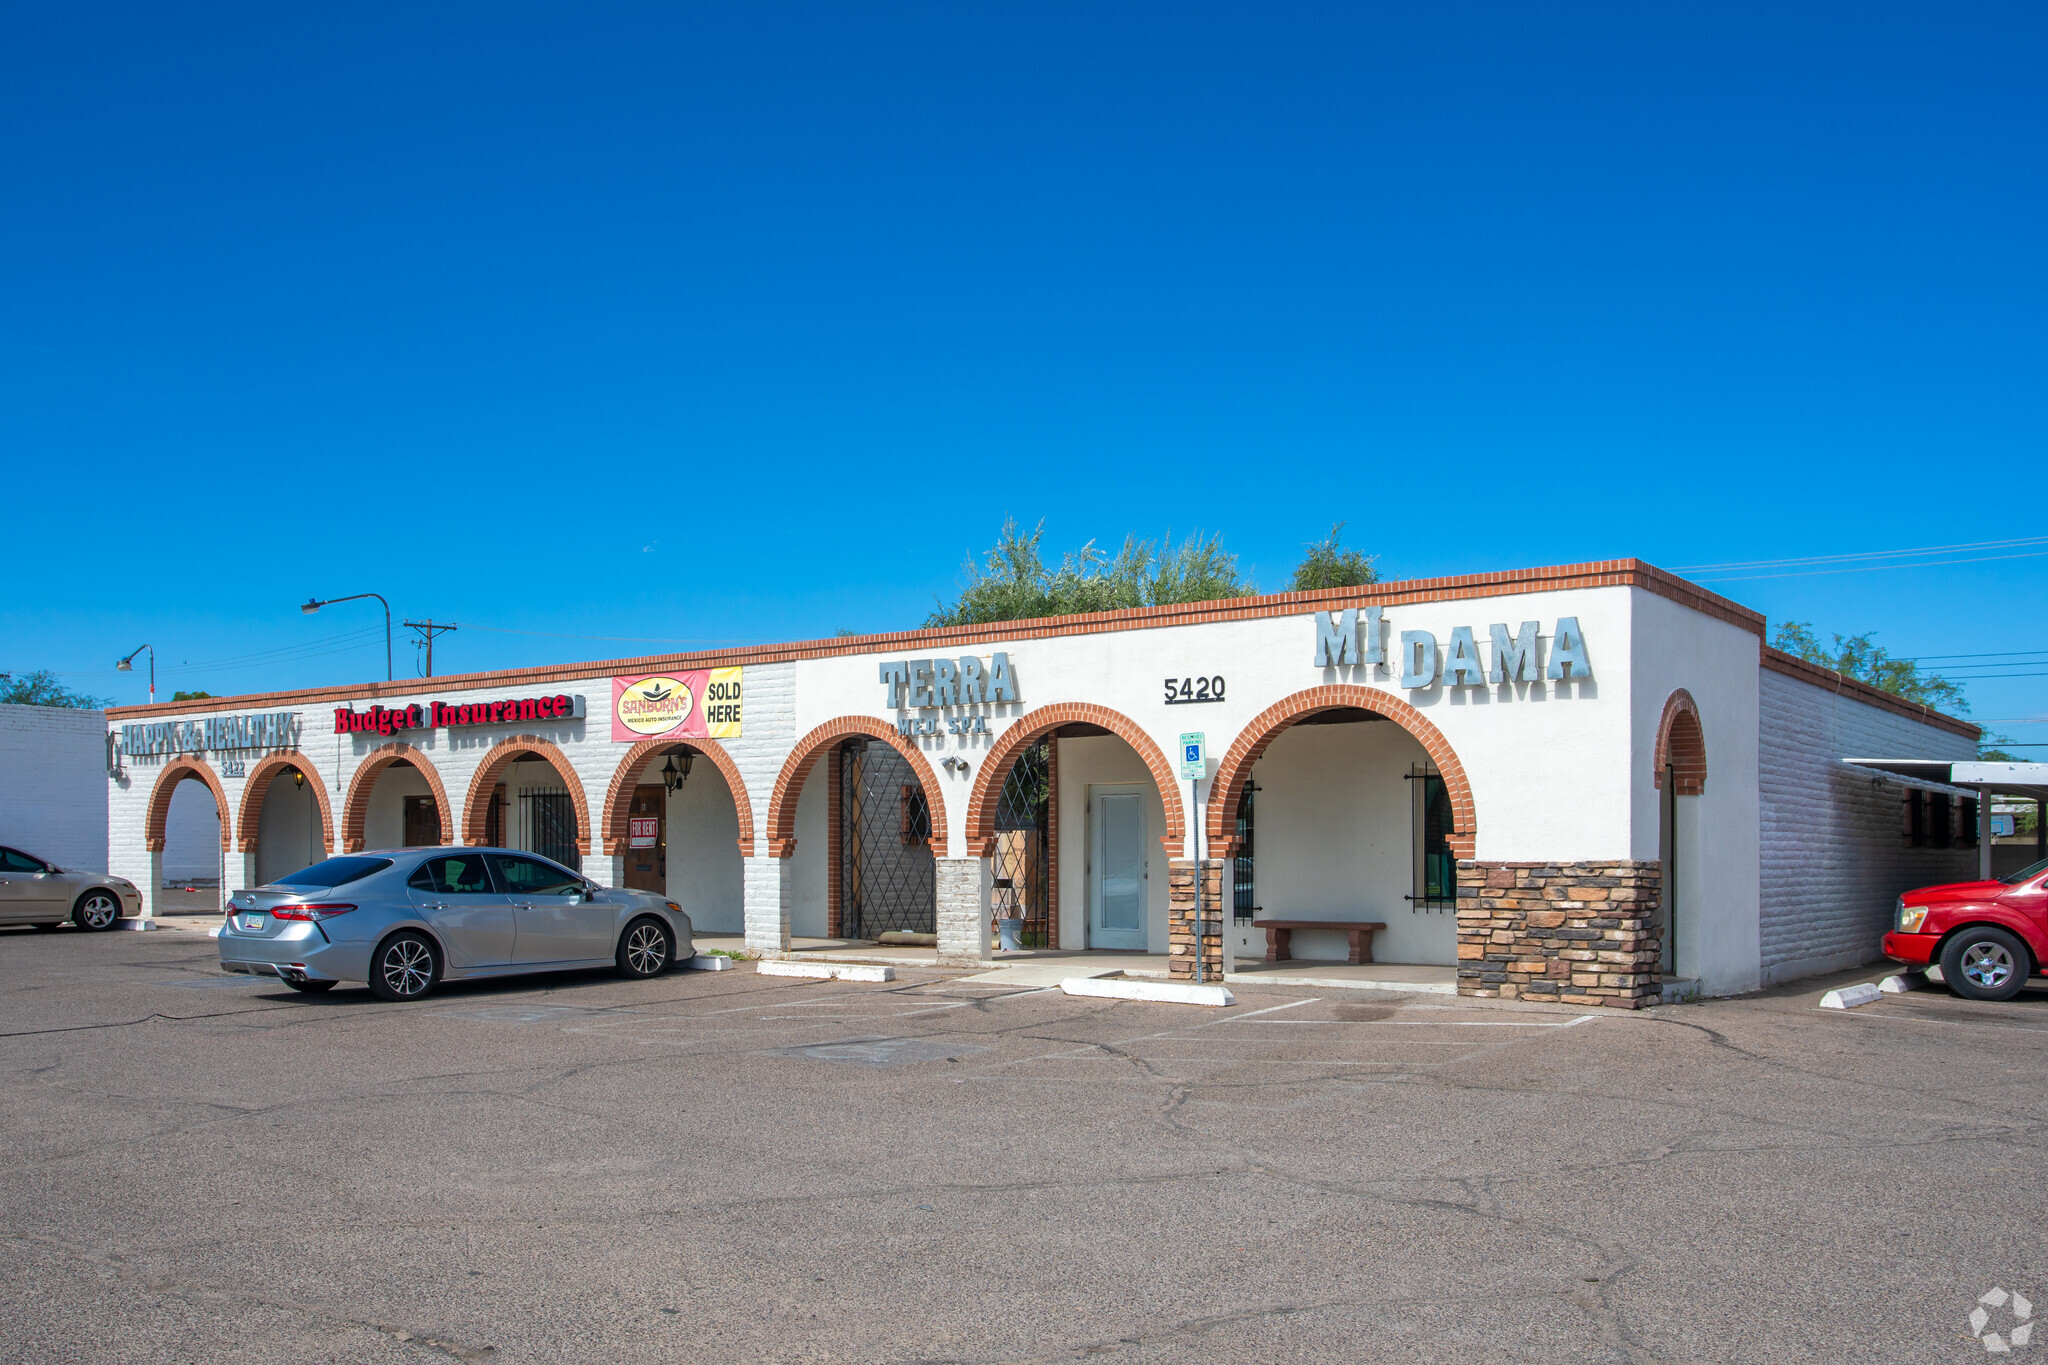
point(752, 322)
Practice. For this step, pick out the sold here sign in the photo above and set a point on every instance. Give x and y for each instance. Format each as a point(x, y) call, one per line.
point(695, 703)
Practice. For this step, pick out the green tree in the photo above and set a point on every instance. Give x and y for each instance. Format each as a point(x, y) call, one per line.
point(1329, 565)
point(1856, 657)
point(190, 696)
point(41, 688)
point(1014, 583)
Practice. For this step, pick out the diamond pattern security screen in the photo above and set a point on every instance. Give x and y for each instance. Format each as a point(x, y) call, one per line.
point(1022, 865)
point(551, 827)
point(887, 878)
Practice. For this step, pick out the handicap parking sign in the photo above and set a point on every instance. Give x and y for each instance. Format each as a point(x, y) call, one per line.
point(1194, 758)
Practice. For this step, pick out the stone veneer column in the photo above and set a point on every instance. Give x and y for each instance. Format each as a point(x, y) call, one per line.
point(1180, 919)
point(1576, 933)
point(962, 911)
point(769, 889)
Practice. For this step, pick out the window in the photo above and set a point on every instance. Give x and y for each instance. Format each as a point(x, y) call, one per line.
point(463, 876)
point(1966, 823)
point(334, 872)
point(11, 861)
point(551, 826)
point(1243, 890)
point(1939, 818)
point(1436, 867)
point(532, 877)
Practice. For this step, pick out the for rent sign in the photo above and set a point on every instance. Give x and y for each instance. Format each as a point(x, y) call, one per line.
point(692, 703)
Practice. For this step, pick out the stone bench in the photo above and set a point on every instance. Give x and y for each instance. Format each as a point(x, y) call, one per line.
point(1280, 935)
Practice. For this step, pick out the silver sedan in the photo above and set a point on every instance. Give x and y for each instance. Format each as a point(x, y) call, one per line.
point(406, 919)
point(36, 891)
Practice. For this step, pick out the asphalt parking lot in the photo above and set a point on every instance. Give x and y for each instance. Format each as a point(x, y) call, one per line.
point(729, 1167)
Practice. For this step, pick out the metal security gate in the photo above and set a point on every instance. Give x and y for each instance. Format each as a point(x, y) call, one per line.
point(551, 826)
point(887, 876)
point(1022, 865)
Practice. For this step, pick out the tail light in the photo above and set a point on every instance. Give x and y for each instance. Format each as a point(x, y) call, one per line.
point(323, 910)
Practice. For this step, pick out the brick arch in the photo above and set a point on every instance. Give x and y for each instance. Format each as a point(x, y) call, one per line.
point(355, 811)
point(1681, 746)
point(1236, 768)
point(476, 807)
point(789, 783)
point(1028, 729)
point(258, 787)
point(176, 771)
point(618, 800)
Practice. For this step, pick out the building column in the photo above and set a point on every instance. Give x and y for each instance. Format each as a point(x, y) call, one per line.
point(1180, 918)
point(606, 869)
point(962, 893)
point(1574, 933)
point(770, 890)
point(153, 886)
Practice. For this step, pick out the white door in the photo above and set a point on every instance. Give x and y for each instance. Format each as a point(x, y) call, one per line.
point(1117, 919)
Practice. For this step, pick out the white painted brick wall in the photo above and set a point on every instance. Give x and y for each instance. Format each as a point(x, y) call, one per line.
point(53, 784)
point(1833, 859)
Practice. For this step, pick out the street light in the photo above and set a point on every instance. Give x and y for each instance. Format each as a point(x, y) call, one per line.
point(313, 604)
point(127, 665)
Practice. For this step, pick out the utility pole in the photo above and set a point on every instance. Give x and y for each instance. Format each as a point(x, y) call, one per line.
point(427, 631)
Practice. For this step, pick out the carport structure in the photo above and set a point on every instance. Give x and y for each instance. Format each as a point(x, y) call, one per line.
point(1976, 782)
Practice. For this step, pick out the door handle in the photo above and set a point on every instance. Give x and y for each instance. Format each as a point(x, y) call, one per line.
point(433, 905)
point(522, 905)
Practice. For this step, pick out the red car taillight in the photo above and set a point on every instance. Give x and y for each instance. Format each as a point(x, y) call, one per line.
point(320, 911)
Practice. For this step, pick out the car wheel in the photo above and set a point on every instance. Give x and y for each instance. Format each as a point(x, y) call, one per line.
point(311, 987)
point(404, 967)
point(96, 910)
point(645, 949)
point(1985, 963)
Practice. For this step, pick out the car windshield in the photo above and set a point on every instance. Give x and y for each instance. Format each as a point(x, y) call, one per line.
point(333, 872)
point(2032, 870)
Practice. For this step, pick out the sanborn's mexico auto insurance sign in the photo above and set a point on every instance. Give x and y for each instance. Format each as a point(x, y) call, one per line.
point(696, 703)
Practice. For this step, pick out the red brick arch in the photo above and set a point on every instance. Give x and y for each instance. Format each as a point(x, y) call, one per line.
point(176, 771)
point(476, 808)
point(1002, 756)
point(1236, 768)
point(618, 801)
point(258, 787)
point(355, 811)
point(1681, 746)
point(789, 783)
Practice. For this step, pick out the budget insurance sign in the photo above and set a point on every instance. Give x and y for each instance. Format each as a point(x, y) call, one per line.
point(693, 703)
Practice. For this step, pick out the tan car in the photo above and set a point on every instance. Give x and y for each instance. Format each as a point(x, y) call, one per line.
point(33, 891)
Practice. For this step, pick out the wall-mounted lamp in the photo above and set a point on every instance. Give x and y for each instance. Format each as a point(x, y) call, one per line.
point(673, 777)
point(298, 778)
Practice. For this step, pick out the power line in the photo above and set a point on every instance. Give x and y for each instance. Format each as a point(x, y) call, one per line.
point(1867, 568)
point(624, 639)
point(1864, 554)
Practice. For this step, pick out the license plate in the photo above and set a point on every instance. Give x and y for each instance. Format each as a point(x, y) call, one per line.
point(252, 922)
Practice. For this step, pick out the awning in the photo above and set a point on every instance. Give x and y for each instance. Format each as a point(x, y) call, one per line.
point(1972, 779)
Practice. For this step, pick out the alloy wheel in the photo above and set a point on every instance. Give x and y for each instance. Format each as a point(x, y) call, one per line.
point(647, 949)
point(1988, 965)
point(408, 967)
point(99, 910)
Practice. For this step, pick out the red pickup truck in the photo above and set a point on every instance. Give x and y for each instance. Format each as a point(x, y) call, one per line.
point(1989, 937)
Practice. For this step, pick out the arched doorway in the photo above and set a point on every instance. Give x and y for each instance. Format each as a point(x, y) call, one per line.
point(1343, 803)
point(284, 822)
point(189, 832)
point(396, 800)
point(1077, 809)
point(1679, 772)
point(677, 821)
point(859, 813)
point(526, 795)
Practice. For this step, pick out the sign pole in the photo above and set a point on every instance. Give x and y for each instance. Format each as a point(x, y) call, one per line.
point(1193, 799)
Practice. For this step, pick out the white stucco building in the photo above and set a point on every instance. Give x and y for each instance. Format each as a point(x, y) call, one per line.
point(1562, 782)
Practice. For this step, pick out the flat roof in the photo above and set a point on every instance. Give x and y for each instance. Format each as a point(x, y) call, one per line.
point(1969, 778)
